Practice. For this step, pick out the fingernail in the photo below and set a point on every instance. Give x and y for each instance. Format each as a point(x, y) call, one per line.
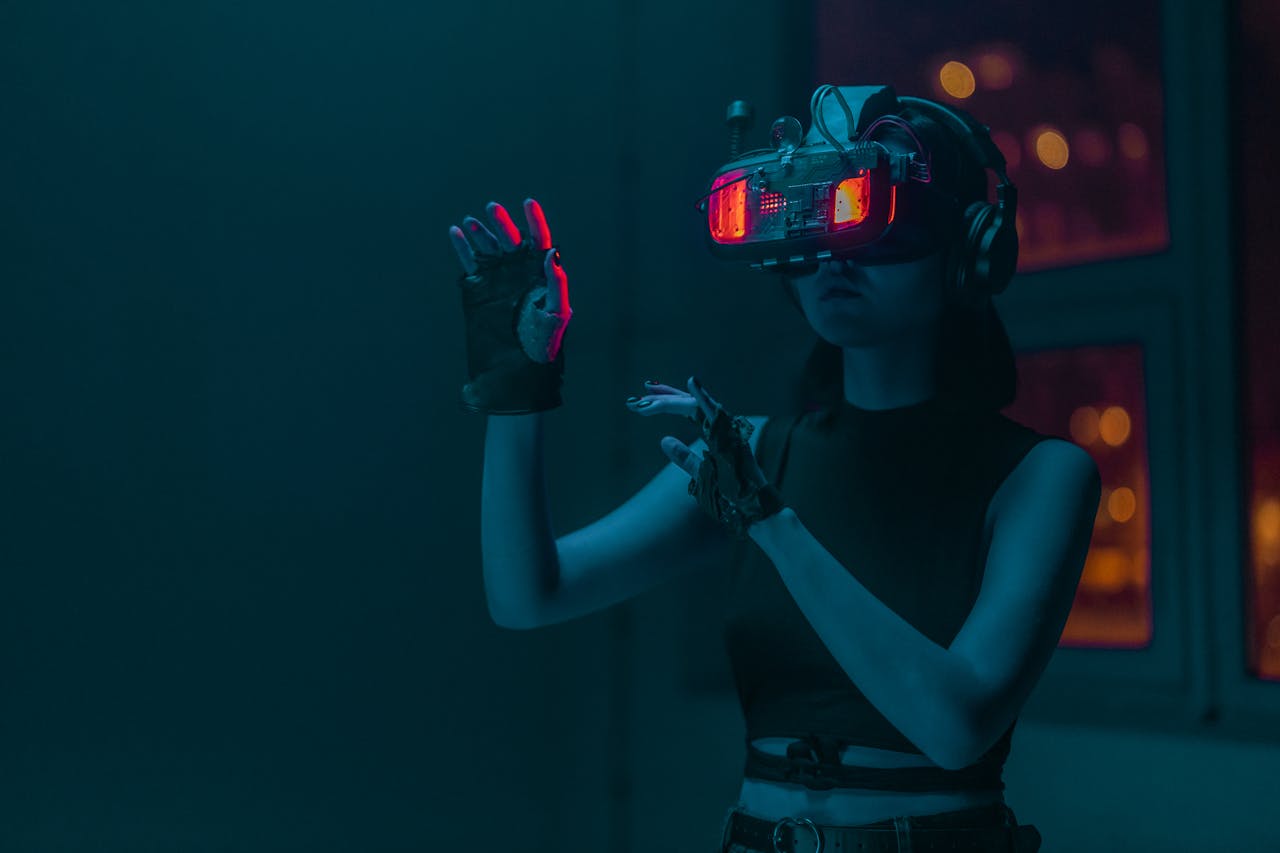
point(632, 399)
point(651, 382)
point(644, 403)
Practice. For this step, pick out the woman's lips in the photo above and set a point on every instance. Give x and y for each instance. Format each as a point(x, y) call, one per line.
point(839, 293)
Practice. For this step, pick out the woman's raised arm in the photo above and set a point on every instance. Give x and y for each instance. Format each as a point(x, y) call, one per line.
point(516, 301)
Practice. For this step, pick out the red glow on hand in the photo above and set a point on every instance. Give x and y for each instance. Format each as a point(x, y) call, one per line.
point(539, 233)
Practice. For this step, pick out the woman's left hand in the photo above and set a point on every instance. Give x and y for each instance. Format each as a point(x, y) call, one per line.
point(727, 482)
point(664, 400)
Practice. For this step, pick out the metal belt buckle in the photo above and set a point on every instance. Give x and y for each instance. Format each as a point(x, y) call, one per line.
point(796, 821)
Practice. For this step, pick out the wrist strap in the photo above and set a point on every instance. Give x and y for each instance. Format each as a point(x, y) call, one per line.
point(720, 476)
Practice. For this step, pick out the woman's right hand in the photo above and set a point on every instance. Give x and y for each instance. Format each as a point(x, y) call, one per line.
point(544, 310)
point(515, 300)
point(664, 400)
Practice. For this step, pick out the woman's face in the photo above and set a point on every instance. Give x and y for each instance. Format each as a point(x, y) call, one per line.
point(852, 304)
point(849, 305)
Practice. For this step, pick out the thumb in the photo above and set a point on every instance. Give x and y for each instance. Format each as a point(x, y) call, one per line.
point(680, 454)
point(557, 284)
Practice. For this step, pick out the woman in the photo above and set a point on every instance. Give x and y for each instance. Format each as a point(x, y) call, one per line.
point(913, 554)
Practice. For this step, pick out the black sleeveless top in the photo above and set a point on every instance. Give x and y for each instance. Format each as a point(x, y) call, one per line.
point(899, 497)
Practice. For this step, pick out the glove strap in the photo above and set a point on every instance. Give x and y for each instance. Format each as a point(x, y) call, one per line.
point(720, 488)
point(518, 389)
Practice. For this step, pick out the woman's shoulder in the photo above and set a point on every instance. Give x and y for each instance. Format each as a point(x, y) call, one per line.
point(1052, 466)
point(1015, 455)
point(1037, 459)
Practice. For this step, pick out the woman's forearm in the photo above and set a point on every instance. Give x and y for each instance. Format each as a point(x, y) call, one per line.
point(921, 688)
point(517, 547)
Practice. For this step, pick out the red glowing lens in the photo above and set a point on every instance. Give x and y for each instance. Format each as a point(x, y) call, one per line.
point(727, 208)
point(852, 201)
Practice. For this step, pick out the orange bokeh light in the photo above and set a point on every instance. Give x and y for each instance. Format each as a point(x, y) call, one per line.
point(1051, 147)
point(1107, 569)
point(1266, 536)
point(1114, 425)
point(1122, 504)
point(957, 79)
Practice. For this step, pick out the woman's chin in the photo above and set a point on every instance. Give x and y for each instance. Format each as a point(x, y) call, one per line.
point(856, 333)
point(849, 332)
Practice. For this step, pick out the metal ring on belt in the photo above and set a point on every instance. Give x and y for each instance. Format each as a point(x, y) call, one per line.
point(796, 821)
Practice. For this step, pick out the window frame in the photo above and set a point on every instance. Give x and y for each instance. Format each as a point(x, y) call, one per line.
point(1182, 303)
point(1102, 685)
point(1249, 706)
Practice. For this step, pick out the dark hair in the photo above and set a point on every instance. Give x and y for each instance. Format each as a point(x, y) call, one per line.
point(974, 363)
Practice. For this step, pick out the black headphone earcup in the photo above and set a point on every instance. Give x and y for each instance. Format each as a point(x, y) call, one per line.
point(999, 253)
point(953, 275)
point(968, 281)
point(991, 250)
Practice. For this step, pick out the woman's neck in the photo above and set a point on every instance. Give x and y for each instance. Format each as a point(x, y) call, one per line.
point(889, 375)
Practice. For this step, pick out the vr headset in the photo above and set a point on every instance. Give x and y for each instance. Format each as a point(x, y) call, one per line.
point(837, 192)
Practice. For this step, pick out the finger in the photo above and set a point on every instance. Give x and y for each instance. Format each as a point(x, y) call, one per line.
point(677, 401)
point(557, 285)
point(539, 233)
point(506, 230)
point(659, 388)
point(708, 405)
point(481, 238)
point(680, 455)
point(683, 405)
point(465, 253)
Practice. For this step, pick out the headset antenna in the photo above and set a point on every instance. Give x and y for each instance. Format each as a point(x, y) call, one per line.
point(740, 117)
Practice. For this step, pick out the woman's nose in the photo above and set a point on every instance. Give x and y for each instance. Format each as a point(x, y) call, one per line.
point(833, 266)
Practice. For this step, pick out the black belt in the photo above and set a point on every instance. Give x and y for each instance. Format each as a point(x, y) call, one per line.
point(814, 761)
point(900, 835)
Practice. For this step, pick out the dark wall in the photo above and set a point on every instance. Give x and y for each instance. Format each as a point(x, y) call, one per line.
point(242, 604)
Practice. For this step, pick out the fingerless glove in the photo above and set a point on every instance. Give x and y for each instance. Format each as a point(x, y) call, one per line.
point(503, 303)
